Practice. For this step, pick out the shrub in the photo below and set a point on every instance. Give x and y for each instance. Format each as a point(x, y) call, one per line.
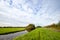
point(30, 27)
point(38, 26)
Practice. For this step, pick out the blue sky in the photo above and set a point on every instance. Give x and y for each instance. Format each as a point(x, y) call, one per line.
point(24, 12)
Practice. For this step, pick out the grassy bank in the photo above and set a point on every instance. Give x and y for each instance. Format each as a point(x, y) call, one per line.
point(40, 34)
point(7, 30)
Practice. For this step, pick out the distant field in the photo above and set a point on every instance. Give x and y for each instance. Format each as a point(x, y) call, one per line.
point(10, 30)
point(40, 34)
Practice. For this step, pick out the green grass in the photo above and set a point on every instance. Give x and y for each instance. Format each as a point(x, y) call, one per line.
point(40, 34)
point(10, 30)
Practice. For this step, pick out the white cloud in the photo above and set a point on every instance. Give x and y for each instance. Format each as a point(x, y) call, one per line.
point(22, 12)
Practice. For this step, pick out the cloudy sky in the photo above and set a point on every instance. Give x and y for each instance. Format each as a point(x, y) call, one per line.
point(23, 12)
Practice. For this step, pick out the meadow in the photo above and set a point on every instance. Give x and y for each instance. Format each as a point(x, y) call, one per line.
point(7, 30)
point(40, 34)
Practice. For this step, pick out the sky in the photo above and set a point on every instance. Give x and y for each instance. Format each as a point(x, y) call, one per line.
point(24, 12)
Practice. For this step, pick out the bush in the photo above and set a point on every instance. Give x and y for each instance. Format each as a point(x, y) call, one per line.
point(38, 26)
point(30, 27)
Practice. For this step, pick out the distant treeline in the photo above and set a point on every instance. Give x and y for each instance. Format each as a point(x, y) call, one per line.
point(53, 25)
point(11, 27)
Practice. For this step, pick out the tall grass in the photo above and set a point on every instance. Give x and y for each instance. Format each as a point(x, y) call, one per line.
point(40, 34)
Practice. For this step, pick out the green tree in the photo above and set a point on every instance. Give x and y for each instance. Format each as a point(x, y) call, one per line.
point(38, 26)
point(30, 27)
point(58, 25)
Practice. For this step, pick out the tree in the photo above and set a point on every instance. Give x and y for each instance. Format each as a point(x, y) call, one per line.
point(30, 27)
point(38, 26)
point(59, 23)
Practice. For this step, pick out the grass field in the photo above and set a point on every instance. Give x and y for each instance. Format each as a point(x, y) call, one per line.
point(10, 30)
point(40, 34)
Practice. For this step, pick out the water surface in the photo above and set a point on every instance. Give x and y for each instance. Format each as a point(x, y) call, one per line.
point(11, 36)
